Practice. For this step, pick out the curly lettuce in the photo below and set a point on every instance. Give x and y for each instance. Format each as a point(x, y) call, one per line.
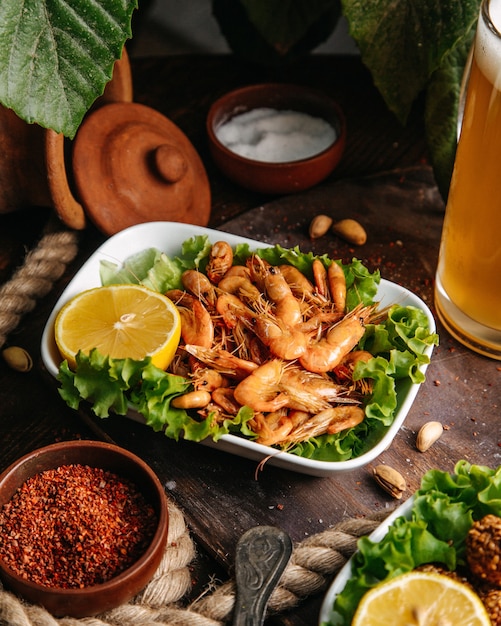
point(443, 511)
point(117, 385)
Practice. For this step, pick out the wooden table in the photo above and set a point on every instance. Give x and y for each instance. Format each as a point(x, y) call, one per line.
point(384, 181)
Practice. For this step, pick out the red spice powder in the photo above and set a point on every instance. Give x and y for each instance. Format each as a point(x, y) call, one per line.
point(74, 527)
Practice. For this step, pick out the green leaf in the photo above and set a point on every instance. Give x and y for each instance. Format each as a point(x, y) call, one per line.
point(403, 43)
point(56, 57)
point(151, 268)
point(100, 380)
point(284, 22)
point(273, 32)
point(441, 113)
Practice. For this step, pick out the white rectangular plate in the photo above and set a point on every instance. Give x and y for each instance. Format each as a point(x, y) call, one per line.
point(168, 237)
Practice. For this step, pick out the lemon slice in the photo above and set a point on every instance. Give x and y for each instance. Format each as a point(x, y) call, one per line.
point(419, 599)
point(121, 321)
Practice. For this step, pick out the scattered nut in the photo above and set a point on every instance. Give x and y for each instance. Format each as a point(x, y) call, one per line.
point(320, 224)
point(17, 358)
point(351, 231)
point(428, 434)
point(390, 480)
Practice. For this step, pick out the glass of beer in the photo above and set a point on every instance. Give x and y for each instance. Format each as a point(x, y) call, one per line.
point(468, 280)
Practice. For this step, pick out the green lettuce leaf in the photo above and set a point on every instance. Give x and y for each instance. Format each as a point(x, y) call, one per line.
point(150, 268)
point(407, 545)
point(118, 385)
point(154, 269)
point(443, 511)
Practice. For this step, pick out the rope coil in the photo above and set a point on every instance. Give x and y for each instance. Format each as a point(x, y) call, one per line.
point(314, 562)
point(42, 266)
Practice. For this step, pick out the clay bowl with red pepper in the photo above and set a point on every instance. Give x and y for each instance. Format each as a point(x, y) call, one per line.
point(83, 527)
point(276, 138)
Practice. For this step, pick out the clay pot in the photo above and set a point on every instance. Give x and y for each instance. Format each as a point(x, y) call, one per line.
point(272, 177)
point(87, 601)
point(128, 164)
point(32, 160)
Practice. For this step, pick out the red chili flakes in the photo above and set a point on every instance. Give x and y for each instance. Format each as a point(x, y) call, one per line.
point(74, 527)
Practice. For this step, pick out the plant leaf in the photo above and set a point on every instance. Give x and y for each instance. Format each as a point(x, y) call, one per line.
point(273, 32)
point(56, 56)
point(441, 114)
point(284, 22)
point(404, 42)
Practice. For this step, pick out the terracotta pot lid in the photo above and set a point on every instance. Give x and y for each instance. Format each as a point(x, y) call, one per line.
point(132, 165)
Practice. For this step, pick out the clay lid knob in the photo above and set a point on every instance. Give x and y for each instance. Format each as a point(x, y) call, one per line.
point(170, 163)
point(133, 165)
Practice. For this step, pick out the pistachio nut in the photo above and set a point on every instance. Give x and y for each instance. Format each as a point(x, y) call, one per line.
point(390, 480)
point(17, 358)
point(319, 225)
point(428, 434)
point(351, 231)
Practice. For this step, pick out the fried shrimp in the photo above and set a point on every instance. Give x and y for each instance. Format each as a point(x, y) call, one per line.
point(324, 355)
point(311, 391)
point(196, 321)
point(198, 285)
point(337, 285)
point(207, 379)
point(332, 420)
point(283, 342)
point(272, 339)
point(287, 306)
point(222, 361)
point(241, 287)
point(238, 270)
point(320, 278)
point(232, 310)
point(224, 397)
point(301, 287)
point(220, 261)
point(261, 389)
point(271, 428)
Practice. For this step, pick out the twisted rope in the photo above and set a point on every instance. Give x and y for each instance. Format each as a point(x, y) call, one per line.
point(313, 564)
point(34, 279)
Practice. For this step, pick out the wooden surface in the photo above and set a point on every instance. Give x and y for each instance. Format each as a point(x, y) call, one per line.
point(384, 180)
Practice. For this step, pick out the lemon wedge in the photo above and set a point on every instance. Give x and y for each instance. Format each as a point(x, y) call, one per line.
point(421, 599)
point(121, 321)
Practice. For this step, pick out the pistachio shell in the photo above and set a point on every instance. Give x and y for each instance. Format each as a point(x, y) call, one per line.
point(428, 434)
point(390, 480)
point(17, 359)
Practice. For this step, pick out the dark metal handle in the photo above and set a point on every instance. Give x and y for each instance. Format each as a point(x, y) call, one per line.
point(261, 556)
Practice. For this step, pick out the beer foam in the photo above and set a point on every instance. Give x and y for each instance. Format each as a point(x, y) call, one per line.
point(488, 44)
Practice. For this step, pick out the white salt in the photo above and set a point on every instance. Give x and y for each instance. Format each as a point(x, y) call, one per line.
point(275, 136)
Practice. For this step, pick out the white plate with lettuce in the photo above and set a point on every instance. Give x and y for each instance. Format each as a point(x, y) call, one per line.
point(430, 527)
point(167, 242)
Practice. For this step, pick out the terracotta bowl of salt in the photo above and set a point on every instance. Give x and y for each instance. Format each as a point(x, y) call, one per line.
point(83, 527)
point(276, 138)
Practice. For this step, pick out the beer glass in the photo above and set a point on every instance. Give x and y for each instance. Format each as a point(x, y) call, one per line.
point(468, 279)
